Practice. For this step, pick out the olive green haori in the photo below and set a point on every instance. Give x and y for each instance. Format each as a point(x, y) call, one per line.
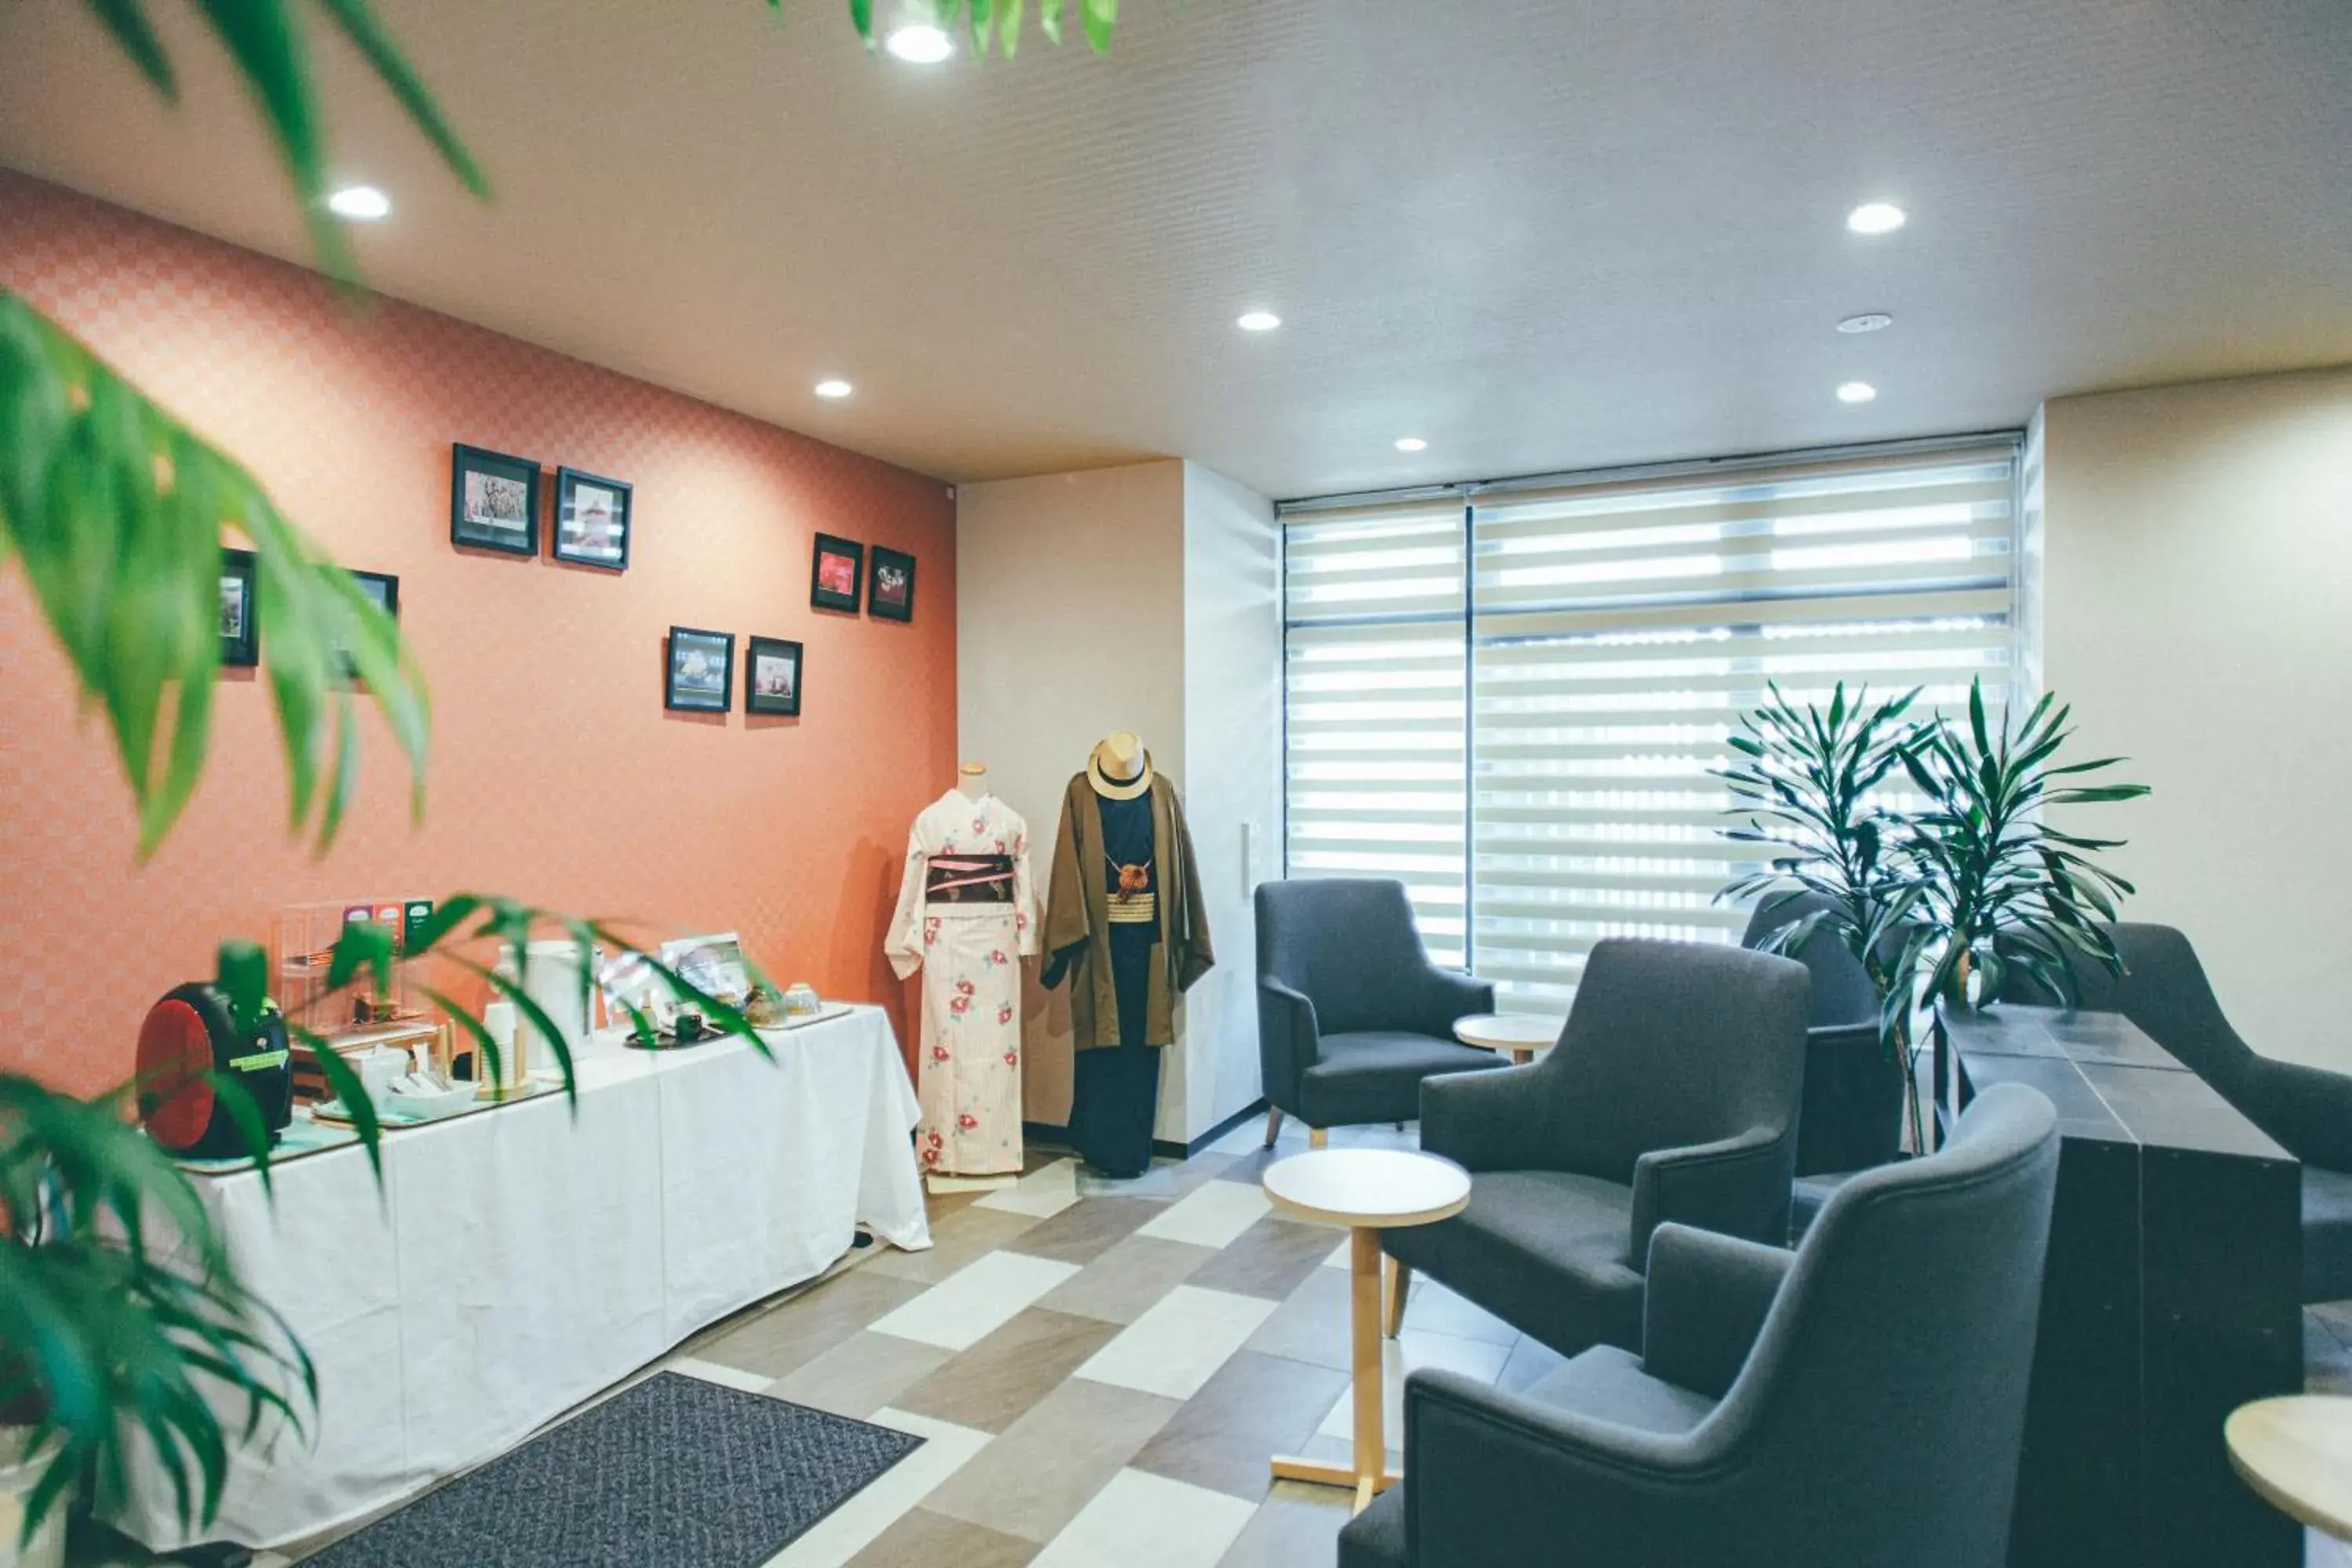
point(1078, 915)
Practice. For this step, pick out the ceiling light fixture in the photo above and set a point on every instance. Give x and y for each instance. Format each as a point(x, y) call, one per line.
point(1856, 392)
point(1868, 322)
point(1877, 217)
point(1412, 444)
point(833, 388)
point(920, 44)
point(361, 203)
point(1258, 321)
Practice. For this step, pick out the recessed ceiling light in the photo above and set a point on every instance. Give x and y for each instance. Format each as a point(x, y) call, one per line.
point(1856, 392)
point(361, 203)
point(1868, 322)
point(920, 44)
point(1877, 217)
point(1258, 321)
point(836, 387)
point(1412, 444)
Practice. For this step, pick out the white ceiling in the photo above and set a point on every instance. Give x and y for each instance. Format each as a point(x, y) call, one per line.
point(1542, 234)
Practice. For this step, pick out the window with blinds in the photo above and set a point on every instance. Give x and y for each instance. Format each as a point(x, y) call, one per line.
point(1511, 697)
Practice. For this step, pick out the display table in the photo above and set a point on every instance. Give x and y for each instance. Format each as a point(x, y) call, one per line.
point(1369, 1190)
point(1520, 1034)
point(516, 1262)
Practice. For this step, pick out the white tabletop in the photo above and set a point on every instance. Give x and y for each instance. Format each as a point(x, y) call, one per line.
point(1381, 1189)
point(1507, 1031)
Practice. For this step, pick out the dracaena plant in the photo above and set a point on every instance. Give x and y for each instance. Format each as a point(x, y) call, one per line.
point(2003, 890)
point(1809, 782)
point(122, 1316)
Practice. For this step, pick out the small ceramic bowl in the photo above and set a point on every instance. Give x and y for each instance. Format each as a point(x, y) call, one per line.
point(433, 1107)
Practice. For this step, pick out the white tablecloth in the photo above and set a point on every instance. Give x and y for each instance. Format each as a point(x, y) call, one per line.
point(519, 1260)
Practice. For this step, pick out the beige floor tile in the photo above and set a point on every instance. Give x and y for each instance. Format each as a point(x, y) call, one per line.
point(1034, 1479)
point(1045, 1191)
point(861, 1375)
point(1121, 1284)
point(1294, 1528)
point(971, 1232)
point(1085, 1231)
point(922, 1539)
point(1141, 1521)
point(1271, 1258)
point(1255, 1408)
point(1179, 1342)
point(976, 1300)
point(791, 1335)
point(1311, 1325)
point(836, 1539)
point(1212, 1215)
point(724, 1376)
point(996, 1382)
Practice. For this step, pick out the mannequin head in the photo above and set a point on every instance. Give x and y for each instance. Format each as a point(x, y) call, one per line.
point(1120, 767)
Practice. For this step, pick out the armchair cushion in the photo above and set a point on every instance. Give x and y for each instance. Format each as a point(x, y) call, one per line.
point(1610, 1384)
point(2326, 1234)
point(1706, 1299)
point(1543, 1250)
point(1376, 1075)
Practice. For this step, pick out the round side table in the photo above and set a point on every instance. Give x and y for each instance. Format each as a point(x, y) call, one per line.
point(2296, 1451)
point(1521, 1034)
point(1369, 1190)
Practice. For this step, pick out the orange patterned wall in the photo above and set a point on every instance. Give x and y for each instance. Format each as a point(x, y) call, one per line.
point(556, 776)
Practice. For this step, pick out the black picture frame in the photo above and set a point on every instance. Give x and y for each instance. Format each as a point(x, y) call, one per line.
point(886, 600)
point(480, 530)
point(570, 484)
point(832, 596)
point(699, 694)
point(786, 704)
point(240, 645)
point(381, 589)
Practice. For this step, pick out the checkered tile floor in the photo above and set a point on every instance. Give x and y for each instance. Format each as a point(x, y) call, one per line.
point(1103, 1371)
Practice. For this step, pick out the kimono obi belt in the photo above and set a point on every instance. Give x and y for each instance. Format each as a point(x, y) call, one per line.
point(969, 879)
point(1134, 909)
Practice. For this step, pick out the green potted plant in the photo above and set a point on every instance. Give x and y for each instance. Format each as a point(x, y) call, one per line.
point(1808, 783)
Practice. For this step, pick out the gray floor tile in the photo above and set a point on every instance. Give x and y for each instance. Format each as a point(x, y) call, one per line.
point(1296, 1527)
point(922, 1539)
point(1271, 1258)
point(962, 1238)
point(1000, 1379)
point(862, 1374)
point(1531, 1359)
point(1434, 1307)
point(1086, 1230)
point(1311, 1325)
point(788, 1336)
point(1035, 1477)
point(1255, 1408)
point(1124, 1282)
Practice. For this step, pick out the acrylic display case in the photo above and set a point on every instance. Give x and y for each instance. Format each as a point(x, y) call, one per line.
point(356, 1021)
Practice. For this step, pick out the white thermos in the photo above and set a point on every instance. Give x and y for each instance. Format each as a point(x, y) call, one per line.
point(559, 979)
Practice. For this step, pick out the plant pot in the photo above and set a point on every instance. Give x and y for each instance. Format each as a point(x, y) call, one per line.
point(1853, 1113)
point(19, 1472)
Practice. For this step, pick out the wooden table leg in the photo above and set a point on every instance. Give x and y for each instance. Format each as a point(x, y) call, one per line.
point(1522, 1055)
point(1370, 1473)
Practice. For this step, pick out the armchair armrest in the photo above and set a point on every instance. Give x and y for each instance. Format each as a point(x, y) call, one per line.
point(1288, 1039)
point(1738, 1186)
point(1493, 1477)
point(1494, 1120)
point(1448, 994)
point(2307, 1110)
point(1706, 1299)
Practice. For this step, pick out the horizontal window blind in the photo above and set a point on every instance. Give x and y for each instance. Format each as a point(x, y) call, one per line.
point(1374, 714)
point(1510, 698)
point(1618, 629)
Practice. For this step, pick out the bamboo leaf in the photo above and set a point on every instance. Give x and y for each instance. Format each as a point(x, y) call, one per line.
point(1100, 16)
point(126, 20)
point(375, 44)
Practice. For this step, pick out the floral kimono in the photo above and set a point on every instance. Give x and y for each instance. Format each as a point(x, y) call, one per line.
point(965, 918)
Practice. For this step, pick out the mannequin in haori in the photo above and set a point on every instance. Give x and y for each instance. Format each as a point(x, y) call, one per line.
point(1124, 920)
point(966, 917)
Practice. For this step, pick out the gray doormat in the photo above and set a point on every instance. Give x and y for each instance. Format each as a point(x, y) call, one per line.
point(675, 1471)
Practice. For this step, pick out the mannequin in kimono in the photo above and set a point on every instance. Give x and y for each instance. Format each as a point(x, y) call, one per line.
point(965, 918)
point(1124, 922)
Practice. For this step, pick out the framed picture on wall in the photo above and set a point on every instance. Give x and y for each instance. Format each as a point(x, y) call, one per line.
point(493, 501)
point(701, 672)
point(592, 520)
point(378, 588)
point(240, 630)
point(771, 677)
point(835, 577)
point(892, 597)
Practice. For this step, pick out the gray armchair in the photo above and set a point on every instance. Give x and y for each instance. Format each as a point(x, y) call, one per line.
point(1859, 1404)
point(1351, 1015)
point(1673, 1095)
point(1854, 1092)
point(2306, 1109)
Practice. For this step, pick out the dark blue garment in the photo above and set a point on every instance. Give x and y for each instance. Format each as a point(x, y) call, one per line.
point(1115, 1091)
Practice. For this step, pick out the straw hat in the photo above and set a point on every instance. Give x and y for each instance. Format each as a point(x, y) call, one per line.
point(1119, 768)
